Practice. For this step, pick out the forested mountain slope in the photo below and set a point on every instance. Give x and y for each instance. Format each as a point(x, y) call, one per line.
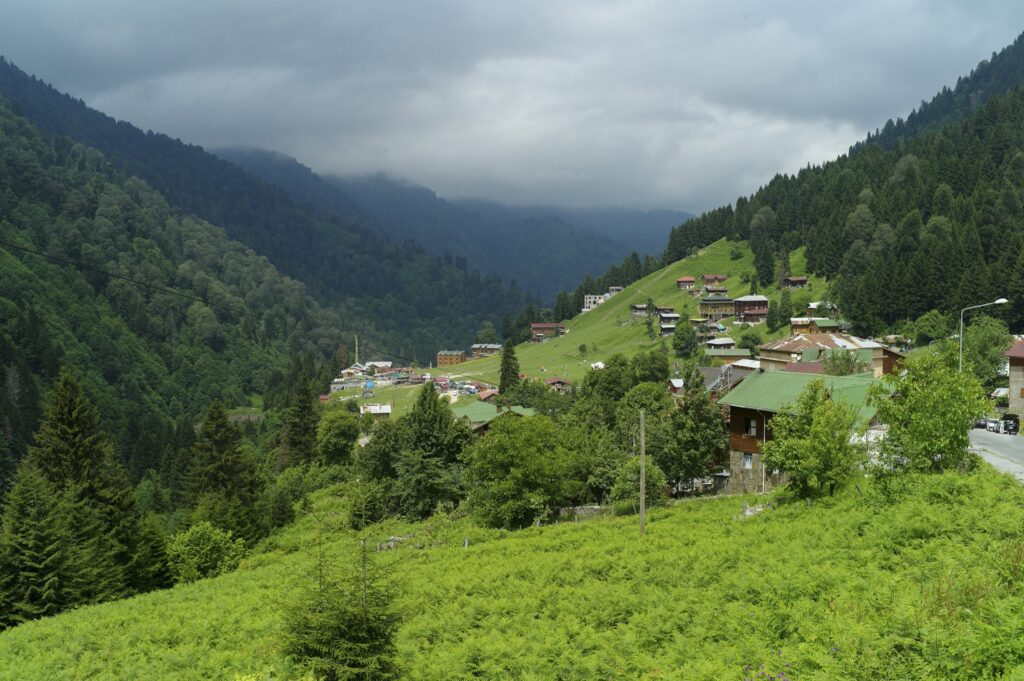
point(936, 224)
point(496, 239)
point(995, 76)
point(412, 302)
point(209, 319)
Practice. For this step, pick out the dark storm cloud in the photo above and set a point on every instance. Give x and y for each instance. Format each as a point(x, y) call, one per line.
point(581, 102)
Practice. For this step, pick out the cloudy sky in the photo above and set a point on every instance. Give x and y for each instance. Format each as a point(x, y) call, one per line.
point(579, 102)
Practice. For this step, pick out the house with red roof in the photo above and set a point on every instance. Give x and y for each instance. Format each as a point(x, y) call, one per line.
point(686, 283)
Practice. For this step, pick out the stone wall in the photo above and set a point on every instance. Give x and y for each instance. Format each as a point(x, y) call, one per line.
point(746, 480)
point(1016, 386)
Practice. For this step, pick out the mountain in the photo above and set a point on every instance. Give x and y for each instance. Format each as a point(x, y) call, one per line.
point(158, 312)
point(992, 77)
point(395, 294)
point(497, 239)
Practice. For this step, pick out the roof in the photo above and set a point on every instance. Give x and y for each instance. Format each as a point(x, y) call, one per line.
point(721, 341)
point(715, 299)
point(451, 352)
point(796, 278)
point(485, 346)
point(752, 364)
point(686, 279)
point(547, 325)
point(819, 341)
point(752, 299)
point(379, 365)
point(1017, 351)
point(727, 352)
point(672, 315)
point(375, 409)
point(770, 391)
point(556, 380)
point(826, 323)
point(806, 367)
point(480, 413)
point(677, 383)
point(715, 276)
point(487, 394)
point(723, 378)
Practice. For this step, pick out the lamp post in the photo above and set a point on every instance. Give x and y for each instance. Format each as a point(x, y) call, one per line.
point(1001, 301)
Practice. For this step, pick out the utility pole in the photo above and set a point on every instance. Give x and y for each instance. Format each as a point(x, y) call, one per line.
point(357, 349)
point(643, 477)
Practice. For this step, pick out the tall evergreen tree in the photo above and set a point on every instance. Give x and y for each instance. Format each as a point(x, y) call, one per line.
point(509, 375)
point(298, 436)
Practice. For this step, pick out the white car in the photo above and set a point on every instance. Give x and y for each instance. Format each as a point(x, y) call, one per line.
point(994, 426)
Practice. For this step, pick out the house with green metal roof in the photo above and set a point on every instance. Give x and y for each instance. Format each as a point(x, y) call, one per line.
point(481, 414)
point(760, 396)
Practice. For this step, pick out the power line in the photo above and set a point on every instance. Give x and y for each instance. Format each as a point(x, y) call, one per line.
point(83, 266)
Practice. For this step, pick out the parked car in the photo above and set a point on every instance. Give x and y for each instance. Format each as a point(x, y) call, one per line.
point(994, 425)
point(981, 423)
point(1011, 424)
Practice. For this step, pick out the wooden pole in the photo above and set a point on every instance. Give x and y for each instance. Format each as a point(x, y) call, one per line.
point(643, 477)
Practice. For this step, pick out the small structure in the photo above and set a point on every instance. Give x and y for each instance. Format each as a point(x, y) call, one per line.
point(487, 395)
point(676, 385)
point(638, 310)
point(660, 310)
point(794, 282)
point(754, 402)
point(805, 325)
point(686, 283)
point(818, 308)
point(711, 279)
point(484, 349)
point(541, 331)
point(375, 411)
point(480, 415)
point(814, 347)
point(669, 318)
point(729, 355)
point(751, 309)
point(721, 343)
point(716, 291)
point(591, 300)
point(597, 366)
point(667, 329)
point(1016, 394)
point(612, 290)
point(447, 358)
point(558, 384)
point(715, 308)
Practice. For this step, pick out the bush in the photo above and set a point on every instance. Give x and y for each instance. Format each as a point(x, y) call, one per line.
point(203, 551)
point(627, 484)
point(370, 501)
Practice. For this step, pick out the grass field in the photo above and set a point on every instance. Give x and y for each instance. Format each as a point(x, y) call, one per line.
point(928, 587)
point(610, 329)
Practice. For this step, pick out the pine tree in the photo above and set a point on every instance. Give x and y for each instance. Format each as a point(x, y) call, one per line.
point(298, 436)
point(509, 375)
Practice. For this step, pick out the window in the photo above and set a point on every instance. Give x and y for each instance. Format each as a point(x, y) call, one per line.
point(750, 427)
point(748, 461)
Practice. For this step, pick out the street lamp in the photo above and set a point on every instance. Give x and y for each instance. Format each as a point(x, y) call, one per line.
point(1001, 301)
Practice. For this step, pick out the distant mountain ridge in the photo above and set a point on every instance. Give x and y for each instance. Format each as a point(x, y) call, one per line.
point(493, 237)
point(393, 294)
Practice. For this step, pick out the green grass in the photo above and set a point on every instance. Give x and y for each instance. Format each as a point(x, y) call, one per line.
point(610, 329)
point(930, 587)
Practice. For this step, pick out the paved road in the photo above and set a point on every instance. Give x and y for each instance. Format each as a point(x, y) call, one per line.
point(1004, 452)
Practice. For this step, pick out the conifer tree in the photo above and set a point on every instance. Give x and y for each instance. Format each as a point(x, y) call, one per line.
point(298, 436)
point(509, 375)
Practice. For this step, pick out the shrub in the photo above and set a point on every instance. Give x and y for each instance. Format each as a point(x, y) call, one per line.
point(203, 551)
point(627, 483)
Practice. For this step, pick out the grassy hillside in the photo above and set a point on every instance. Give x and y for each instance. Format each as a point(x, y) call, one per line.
point(609, 328)
point(931, 586)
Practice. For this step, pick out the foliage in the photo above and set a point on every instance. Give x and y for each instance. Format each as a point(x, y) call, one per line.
point(811, 443)
point(344, 629)
point(627, 483)
point(203, 551)
point(514, 474)
point(336, 435)
point(985, 341)
point(700, 438)
point(509, 376)
point(684, 341)
point(841, 362)
point(930, 408)
point(931, 326)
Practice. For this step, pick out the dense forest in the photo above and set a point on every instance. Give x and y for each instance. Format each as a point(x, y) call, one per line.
point(494, 238)
point(409, 302)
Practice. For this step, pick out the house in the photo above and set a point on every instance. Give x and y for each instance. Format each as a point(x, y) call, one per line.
point(676, 385)
point(814, 347)
point(721, 343)
point(480, 415)
point(378, 366)
point(541, 331)
point(686, 283)
point(558, 384)
point(669, 318)
point(720, 380)
point(1016, 396)
point(638, 310)
point(667, 329)
point(754, 402)
point(447, 358)
point(659, 310)
point(714, 279)
point(716, 291)
point(487, 395)
point(612, 290)
point(794, 282)
point(484, 349)
point(817, 308)
point(751, 309)
point(805, 325)
point(728, 355)
point(590, 301)
point(715, 308)
point(375, 411)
